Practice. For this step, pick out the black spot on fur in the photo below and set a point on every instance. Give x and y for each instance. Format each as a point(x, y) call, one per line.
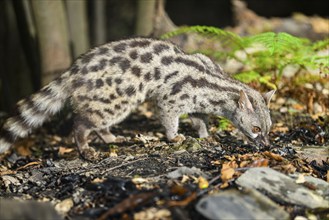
point(172, 101)
point(158, 48)
point(216, 102)
point(108, 81)
point(83, 98)
point(94, 68)
point(87, 57)
point(121, 61)
point(191, 63)
point(119, 92)
point(117, 107)
point(74, 69)
point(112, 96)
point(140, 43)
point(184, 96)
point(177, 50)
point(133, 55)
point(103, 50)
point(200, 83)
point(102, 64)
point(124, 102)
point(136, 71)
point(167, 60)
point(165, 97)
point(90, 84)
point(147, 76)
point(118, 80)
point(46, 91)
point(7, 136)
point(146, 58)
point(130, 91)
point(115, 60)
point(109, 111)
point(99, 83)
point(124, 65)
point(170, 76)
point(157, 73)
point(95, 112)
point(84, 70)
point(76, 83)
point(194, 99)
point(119, 48)
point(140, 87)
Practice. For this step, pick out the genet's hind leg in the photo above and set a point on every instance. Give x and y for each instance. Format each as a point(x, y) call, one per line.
point(199, 123)
point(170, 120)
point(106, 135)
point(82, 128)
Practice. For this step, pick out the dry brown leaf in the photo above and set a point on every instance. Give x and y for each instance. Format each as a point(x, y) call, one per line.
point(228, 170)
point(274, 156)
point(28, 165)
point(203, 183)
point(244, 163)
point(64, 150)
point(260, 163)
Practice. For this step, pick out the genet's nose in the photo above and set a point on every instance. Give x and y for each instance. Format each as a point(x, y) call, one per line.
point(265, 141)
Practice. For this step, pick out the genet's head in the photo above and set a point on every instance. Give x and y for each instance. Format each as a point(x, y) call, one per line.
point(254, 120)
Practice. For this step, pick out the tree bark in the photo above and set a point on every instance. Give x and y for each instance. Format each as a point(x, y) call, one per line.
point(145, 17)
point(52, 33)
point(77, 17)
point(99, 22)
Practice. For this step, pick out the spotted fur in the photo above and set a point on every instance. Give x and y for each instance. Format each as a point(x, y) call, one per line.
point(108, 82)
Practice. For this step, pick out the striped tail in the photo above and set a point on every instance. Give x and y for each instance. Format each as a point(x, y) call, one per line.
point(33, 111)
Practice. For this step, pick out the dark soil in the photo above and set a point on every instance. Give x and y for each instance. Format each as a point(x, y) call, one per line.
point(132, 176)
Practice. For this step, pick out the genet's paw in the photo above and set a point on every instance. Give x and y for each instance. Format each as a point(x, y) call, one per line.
point(178, 139)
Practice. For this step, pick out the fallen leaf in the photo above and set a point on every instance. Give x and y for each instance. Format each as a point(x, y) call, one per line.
point(260, 163)
point(64, 150)
point(203, 183)
point(29, 164)
point(274, 156)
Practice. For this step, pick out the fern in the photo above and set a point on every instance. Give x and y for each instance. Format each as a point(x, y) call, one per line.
point(277, 50)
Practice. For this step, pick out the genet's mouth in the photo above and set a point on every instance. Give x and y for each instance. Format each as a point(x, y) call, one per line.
point(260, 141)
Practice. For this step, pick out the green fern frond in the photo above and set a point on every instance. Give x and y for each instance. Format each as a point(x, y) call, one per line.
point(276, 43)
point(320, 45)
point(226, 37)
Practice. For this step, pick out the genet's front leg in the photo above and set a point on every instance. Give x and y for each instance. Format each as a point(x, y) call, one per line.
point(170, 121)
point(199, 123)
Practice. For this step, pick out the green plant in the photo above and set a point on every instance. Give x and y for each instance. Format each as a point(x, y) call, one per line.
point(265, 55)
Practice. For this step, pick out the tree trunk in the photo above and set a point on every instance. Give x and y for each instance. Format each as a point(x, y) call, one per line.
point(27, 34)
point(99, 22)
point(52, 33)
point(77, 17)
point(145, 17)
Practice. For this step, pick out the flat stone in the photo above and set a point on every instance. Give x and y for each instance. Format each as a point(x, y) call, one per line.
point(235, 204)
point(281, 187)
point(24, 210)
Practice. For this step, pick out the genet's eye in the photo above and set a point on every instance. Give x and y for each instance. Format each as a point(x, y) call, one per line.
point(255, 129)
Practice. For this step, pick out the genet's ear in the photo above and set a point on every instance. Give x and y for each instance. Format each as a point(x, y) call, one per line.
point(268, 96)
point(244, 102)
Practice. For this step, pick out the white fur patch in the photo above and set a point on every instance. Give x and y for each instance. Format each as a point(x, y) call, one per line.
point(4, 145)
point(17, 130)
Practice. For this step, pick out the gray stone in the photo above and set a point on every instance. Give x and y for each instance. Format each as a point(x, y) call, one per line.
point(281, 187)
point(24, 210)
point(234, 204)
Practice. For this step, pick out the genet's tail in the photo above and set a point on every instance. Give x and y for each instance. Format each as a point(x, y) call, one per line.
point(33, 111)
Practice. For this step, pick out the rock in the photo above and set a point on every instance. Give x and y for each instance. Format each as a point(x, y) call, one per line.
point(185, 171)
point(24, 210)
point(234, 204)
point(64, 206)
point(281, 187)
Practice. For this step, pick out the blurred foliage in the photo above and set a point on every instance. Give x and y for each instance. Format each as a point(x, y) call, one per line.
point(264, 56)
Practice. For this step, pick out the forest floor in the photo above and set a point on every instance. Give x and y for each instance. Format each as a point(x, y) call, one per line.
point(146, 177)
